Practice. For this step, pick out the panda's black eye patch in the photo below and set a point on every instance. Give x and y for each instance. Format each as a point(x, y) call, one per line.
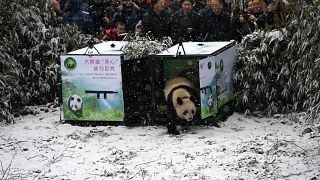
point(192, 111)
point(72, 98)
point(185, 112)
point(79, 100)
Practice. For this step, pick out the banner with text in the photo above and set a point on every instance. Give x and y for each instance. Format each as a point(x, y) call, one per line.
point(92, 88)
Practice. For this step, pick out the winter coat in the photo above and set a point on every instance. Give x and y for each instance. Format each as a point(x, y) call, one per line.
point(156, 25)
point(180, 22)
point(98, 11)
point(74, 14)
point(236, 29)
point(73, 7)
point(128, 16)
point(216, 27)
point(111, 35)
point(198, 5)
point(203, 11)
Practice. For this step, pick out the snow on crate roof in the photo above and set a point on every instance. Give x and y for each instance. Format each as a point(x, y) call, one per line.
point(195, 48)
point(191, 48)
point(104, 48)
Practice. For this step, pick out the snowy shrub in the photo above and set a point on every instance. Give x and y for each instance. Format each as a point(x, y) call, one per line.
point(279, 71)
point(30, 45)
point(138, 47)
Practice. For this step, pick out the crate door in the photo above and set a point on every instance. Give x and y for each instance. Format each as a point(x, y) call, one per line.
point(224, 65)
point(207, 72)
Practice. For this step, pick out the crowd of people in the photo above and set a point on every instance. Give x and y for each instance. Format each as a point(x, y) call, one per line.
point(182, 20)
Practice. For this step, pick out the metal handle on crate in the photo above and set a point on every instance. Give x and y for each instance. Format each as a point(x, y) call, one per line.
point(180, 44)
point(91, 46)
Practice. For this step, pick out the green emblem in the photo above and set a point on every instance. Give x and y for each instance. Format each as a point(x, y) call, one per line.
point(70, 63)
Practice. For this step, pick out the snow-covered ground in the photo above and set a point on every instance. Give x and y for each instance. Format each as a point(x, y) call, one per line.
point(40, 147)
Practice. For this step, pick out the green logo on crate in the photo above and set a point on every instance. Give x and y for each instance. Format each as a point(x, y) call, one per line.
point(70, 63)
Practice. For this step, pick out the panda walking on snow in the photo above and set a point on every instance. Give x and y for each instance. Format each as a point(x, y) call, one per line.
point(180, 96)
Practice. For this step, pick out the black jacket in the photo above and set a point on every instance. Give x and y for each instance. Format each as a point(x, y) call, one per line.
point(236, 30)
point(180, 23)
point(216, 27)
point(156, 25)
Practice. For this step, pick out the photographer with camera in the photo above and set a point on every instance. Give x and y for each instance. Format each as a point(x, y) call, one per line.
point(128, 13)
point(73, 12)
point(101, 12)
point(256, 16)
point(275, 13)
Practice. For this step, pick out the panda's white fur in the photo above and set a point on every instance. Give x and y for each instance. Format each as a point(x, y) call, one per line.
point(75, 104)
point(186, 109)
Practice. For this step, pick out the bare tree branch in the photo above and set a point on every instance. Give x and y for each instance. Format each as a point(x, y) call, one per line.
point(54, 159)
point(7, 171)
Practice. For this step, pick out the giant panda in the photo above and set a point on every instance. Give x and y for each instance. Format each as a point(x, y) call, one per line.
point(75, 104)
point(180, 96)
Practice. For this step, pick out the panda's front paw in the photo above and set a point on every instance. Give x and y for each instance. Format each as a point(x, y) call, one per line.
point(174, 132)
point(172, 129)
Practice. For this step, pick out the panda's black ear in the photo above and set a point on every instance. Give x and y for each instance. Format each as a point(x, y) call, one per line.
point(179, 101)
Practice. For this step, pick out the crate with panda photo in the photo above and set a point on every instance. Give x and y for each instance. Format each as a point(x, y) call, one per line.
point(189, 82)
point(197, 83)
point(99, 83)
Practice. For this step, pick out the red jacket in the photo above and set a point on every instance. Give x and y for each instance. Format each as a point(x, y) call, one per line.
point(111, 35)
